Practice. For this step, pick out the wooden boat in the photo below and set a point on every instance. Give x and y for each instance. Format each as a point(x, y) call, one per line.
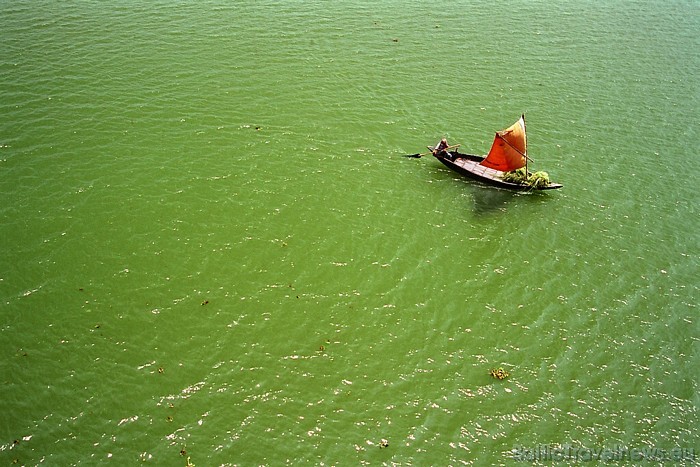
point(508, 154)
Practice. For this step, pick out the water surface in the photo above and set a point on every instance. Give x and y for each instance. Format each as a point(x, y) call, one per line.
point(214, 248)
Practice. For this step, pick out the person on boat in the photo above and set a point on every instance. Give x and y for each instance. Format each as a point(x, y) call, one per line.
point(441, 147)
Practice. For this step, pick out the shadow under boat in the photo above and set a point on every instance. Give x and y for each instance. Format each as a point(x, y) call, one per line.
point(486, 198)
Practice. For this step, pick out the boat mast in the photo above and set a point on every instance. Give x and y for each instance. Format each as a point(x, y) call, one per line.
point(525, 131)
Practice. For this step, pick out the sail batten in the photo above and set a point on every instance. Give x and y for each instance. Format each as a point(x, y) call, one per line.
point(509, 149)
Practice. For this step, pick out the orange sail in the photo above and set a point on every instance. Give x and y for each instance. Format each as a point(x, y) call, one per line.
point(509, 148)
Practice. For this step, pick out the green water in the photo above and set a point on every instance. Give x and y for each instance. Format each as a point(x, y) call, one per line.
point(212, 243)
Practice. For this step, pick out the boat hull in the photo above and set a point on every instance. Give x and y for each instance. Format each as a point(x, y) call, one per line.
point(468, 165)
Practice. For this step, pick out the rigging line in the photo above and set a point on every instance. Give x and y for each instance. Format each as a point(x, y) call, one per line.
point(516, 149)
